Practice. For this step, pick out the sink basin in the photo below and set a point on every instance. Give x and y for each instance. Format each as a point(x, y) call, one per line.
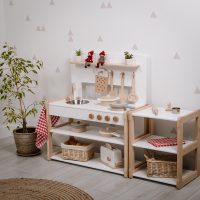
point(77, 102)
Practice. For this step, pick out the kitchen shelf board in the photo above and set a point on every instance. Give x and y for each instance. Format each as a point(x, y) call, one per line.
point(162, 114)
point(171, 181)
point(109, 65)
point(92, 134)
point(94, 163)
point(168, 149)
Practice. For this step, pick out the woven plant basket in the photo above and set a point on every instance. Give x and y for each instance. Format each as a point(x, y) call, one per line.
point(79, 153)
point(25, 142)
point(161, 165)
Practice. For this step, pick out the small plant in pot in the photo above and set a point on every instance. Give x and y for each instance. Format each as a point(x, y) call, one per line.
point(15, 83)
point(128, 58)
point(78, 55)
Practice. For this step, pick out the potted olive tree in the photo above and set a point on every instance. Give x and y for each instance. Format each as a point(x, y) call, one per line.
point(16, 82)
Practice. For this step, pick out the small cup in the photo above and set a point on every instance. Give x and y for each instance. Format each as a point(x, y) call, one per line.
point(176, 110)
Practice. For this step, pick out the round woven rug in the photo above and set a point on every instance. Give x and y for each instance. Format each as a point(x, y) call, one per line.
point(29, 189)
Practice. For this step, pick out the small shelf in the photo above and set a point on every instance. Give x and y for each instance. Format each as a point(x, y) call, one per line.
point(92, 133)
point(94, 163)
point(109, 65)
point(162, 114)
point(171, 181)
point(143, 143)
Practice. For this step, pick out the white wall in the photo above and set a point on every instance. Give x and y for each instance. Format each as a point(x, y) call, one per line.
point(167, 31)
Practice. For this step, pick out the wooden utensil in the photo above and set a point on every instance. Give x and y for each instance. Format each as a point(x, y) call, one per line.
point(132, 97)
point(112, 92)
point(122, 94)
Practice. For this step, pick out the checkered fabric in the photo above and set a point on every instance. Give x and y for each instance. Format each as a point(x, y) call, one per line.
point(42, 128)
point(165, 141)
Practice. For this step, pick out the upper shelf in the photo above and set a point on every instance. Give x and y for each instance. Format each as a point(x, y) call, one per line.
point(109, 65)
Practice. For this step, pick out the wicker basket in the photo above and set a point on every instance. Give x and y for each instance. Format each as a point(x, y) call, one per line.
point(161, 165)
point(75, 152)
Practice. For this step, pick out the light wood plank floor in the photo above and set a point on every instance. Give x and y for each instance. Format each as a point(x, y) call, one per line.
point(100, 185)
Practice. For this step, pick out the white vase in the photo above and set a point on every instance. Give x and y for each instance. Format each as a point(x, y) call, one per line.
point(78, 58)
point(129, 61)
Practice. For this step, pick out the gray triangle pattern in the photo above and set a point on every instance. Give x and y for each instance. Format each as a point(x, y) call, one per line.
point(135, 47)
point(70, 39)
point(28, 18)
point(52, 3)
point(103, 5)
point(177, 56)
point(34, 57)
point(70, 33)
point(100, 39)
point(57, 70)
point(109, 5)
point(11, 3)
point(197, 91)
point(43, 28)
point(153, 15)
point(38, 28)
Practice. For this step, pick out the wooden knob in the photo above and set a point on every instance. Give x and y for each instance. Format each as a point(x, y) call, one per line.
point(91, 116)
point(115, 119)
point(99, 117)
point(107, 118)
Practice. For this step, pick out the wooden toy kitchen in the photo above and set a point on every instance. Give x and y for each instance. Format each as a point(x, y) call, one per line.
point(101, 129)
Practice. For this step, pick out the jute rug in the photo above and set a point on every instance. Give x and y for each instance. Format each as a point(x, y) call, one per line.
point(29, 189)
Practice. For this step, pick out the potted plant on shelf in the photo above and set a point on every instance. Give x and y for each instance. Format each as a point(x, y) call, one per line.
point(128, 58)
point(78, 55)
point(16, 82)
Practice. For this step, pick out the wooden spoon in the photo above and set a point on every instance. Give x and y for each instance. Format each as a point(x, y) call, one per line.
point(132, 97)
point(122, 95)
point(112, 92)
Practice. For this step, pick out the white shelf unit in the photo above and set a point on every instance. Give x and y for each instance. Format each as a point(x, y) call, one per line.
point(92, 133)
point(183, 176)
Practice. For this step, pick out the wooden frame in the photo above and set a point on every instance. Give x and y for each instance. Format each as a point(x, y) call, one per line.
point(181, 179)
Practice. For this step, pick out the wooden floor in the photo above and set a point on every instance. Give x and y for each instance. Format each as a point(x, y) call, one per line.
point(100, 185)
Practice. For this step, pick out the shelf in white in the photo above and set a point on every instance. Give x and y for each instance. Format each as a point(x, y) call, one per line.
point(109, 65)
point(94, 163)
point(92, 133)
point(162, 114)
point(171, 181)
point(169, 149)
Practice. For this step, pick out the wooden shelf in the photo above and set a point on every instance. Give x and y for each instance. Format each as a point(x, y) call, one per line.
point(109, 65)
point(94, 163)
point(171, 181)
point(143, 143)
point(92, 133)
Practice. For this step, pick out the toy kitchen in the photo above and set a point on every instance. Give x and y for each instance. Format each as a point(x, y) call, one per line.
point(102, 94)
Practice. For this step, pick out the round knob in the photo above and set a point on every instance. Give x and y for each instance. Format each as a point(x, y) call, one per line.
point(91, 116)
point(115, 119)
point(99, 117)
point(107, 118)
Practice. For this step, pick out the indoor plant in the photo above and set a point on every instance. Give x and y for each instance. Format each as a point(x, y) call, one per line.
point(16, 82)
point(128, 58)
point(78, 55)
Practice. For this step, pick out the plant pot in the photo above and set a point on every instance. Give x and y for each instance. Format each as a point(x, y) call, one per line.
point(129, 61)
point(25, 142)
point(78, 58)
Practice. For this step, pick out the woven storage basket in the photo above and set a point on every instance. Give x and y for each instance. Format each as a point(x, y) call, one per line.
point(75, 152)
point(161, 165)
